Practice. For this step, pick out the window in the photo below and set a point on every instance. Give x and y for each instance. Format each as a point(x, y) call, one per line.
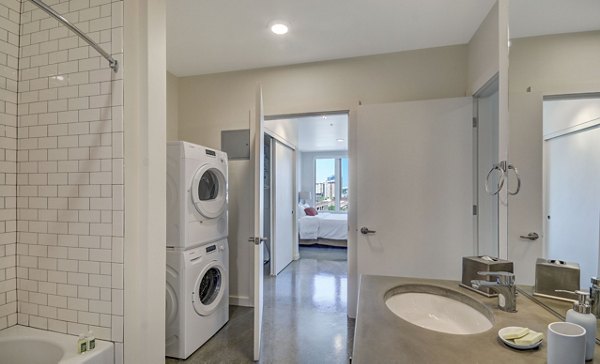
point(331, 184)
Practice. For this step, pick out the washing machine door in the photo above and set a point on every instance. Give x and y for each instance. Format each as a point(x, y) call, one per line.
point(209, 191)
point(209, 288)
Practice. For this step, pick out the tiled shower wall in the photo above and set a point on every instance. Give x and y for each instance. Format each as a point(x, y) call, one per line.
point(70, 171)
point(9, 52)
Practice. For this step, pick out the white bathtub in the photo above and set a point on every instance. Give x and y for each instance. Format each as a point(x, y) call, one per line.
point(24, 345)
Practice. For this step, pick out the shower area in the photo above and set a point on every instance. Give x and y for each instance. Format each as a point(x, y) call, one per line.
point(61, 167)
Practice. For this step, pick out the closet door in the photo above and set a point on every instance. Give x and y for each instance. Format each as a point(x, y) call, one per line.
point(283, 206)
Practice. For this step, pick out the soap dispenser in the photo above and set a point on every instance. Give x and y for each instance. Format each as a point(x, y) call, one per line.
point(581, 315)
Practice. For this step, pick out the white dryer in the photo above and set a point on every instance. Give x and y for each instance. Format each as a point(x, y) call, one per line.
point(196, 195)
point(197, 296)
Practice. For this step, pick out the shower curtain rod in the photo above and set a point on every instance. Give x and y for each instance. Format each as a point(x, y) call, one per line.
point(111, 61)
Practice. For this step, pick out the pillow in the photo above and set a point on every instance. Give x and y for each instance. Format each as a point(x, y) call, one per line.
point(310, 211)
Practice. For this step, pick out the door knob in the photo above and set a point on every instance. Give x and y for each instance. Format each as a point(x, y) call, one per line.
point(530, 236)
point(256, 240)
point(365, 230)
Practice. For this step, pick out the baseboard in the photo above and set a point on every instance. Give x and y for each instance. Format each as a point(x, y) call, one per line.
point(241, 301)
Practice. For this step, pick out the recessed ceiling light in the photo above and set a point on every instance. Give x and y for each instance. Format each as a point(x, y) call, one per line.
point(279, 28)
point(340, 140)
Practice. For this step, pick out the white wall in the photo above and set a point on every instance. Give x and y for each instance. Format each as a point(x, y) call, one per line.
point(284, 130)
point(211, 103)
point(557, 64)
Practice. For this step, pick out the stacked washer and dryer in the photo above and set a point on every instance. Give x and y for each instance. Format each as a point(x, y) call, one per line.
point(197, 251)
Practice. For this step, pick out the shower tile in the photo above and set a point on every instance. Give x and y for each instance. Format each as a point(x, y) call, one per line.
point(70, 168)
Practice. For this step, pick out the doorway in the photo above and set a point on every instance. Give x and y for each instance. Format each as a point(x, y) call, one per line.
point(308, 294)
point(320, 187)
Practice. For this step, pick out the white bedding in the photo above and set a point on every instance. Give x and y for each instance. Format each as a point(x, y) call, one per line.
point(324, 226)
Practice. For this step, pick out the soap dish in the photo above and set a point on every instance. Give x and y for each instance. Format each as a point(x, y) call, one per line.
point(512, 344)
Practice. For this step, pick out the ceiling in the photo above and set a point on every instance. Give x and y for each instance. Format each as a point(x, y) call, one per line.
point(530, 18)
point(226, 35)
point(317, 133)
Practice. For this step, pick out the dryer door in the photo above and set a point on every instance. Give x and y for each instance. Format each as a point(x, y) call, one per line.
point(209, 288)
point(209, 191)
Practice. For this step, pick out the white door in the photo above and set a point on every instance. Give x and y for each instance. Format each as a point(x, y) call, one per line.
point(283, 206)
point(257, 239)
point(415, 188)
point(571, 125)
point(573, 200)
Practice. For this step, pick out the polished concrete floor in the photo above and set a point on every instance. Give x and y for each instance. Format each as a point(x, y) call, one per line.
point(304, 319)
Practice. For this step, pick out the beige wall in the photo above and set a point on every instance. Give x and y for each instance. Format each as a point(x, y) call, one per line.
point(145, 182)
point(211, 103)
point(483, 52)
point(172, 106)
point(557, 64)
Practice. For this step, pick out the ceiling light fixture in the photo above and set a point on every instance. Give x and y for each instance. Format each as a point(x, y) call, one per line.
point(340, 140)
point(279, 28)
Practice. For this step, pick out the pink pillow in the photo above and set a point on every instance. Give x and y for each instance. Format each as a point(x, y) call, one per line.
point(310, 211)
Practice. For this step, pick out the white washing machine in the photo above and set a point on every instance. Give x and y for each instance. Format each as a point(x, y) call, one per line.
point(197, 296)
point(196, 195)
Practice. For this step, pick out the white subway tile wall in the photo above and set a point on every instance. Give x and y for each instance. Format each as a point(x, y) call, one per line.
point(9, 57)
point(69, 170)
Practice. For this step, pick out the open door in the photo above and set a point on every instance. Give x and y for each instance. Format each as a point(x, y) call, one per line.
point(258, 239)
point(415, 188)
point(283, 201)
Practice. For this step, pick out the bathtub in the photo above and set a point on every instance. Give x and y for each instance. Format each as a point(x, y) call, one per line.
point(25, 345)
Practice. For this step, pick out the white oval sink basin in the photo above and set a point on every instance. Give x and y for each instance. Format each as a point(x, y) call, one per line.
point(439, 313)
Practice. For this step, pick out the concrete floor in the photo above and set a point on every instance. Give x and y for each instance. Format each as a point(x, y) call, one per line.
point(304, 316)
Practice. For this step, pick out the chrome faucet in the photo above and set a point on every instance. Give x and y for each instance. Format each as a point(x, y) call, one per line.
point(504, 285)
point(595, 296)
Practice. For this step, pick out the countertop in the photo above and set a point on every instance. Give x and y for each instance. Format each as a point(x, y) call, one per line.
point(558, 307)
point(382, 337)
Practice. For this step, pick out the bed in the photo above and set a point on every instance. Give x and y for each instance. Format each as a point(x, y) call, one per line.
point(323, 228)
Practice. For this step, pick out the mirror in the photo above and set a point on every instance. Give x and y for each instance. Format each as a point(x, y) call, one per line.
point(554, 50)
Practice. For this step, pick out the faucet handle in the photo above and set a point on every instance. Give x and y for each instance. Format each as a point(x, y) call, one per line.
point(505, 278)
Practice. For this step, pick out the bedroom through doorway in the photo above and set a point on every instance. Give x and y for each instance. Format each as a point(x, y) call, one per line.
point(306, 224)
point(306, 164)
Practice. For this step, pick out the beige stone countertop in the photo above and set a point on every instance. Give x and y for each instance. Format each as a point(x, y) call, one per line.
point(382, 337)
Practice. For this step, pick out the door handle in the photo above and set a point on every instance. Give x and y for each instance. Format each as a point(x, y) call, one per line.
point(365, 230)
point(256, 240)
point(530, 236)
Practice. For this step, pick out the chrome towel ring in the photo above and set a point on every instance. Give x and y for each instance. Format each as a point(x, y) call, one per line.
point(500, 184)
point(502, 169)
point(510, 166)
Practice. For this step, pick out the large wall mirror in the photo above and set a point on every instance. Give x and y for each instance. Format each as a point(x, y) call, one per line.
point(554, 56)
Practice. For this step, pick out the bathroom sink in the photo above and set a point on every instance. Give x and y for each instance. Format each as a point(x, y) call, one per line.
point(439, 309)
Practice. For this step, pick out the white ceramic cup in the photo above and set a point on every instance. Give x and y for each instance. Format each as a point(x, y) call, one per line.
point(566, 343)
